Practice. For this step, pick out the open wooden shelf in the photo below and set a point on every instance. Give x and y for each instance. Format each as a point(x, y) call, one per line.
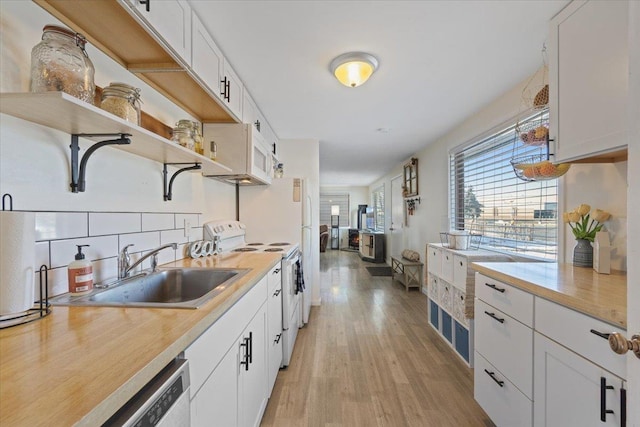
point(66, 113)
point(111, 29)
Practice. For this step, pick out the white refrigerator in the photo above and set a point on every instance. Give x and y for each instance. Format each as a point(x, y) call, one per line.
point(281, 212)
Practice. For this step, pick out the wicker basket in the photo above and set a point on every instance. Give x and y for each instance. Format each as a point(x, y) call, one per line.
point(537, 168)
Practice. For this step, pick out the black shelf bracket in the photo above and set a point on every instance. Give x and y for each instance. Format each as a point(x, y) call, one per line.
point(78, 170)
point(168, 185)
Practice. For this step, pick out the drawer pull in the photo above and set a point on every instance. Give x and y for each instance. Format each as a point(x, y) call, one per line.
point(493, 377)
point(277, 292)
point(493, 316)
point(600, 334)
point(276, 271)
point(603, 399)
point(277, 340)
point(494, 287)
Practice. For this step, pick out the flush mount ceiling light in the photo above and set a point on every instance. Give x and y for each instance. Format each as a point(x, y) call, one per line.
point(354, 68)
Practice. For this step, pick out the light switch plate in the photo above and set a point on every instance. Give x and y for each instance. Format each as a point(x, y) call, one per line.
point(187, 227)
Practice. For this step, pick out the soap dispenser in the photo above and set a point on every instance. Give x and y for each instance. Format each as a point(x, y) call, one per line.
point(80, 274)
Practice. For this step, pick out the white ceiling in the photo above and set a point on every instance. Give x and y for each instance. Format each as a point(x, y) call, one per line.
point(440, 61)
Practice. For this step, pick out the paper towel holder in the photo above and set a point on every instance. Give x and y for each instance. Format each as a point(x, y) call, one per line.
point(40, 310)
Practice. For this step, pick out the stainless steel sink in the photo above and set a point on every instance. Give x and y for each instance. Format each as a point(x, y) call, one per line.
point(168, 288)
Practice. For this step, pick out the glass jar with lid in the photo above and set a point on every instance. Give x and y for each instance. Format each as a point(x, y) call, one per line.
point(123, 101)
point(60, 63)
point(183, 134)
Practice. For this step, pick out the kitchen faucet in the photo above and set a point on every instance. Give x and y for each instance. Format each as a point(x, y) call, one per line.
point(124, 268)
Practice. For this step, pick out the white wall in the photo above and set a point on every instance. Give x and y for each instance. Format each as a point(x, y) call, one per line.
point(602, 186)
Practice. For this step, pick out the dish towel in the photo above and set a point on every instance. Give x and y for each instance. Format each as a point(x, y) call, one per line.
point(299, 278)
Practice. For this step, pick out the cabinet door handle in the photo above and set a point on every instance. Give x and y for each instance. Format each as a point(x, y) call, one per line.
point(493, 377)
point(228, 90)
point(277, 340)
point(600, 334)
point(223, 90)
point(277, 292)
point(147, 4)
point(245, 357)
point(494, 287)
point(276, 271)
point(250, 347)
point(493, 316)
point(603, 399)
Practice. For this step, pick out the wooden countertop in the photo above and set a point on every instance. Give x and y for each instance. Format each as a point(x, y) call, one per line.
point(79, 365)
point(603, 296)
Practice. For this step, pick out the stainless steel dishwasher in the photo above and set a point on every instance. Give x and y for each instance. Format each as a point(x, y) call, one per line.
point(163, 402)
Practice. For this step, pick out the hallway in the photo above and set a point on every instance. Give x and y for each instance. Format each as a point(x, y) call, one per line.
point(368, 357)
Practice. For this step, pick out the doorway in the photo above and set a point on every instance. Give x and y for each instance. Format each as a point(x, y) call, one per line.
point(395, 241)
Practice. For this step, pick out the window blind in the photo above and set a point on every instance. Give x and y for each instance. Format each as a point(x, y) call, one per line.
point(377, 196)
point(327, 200)
point(487, 199)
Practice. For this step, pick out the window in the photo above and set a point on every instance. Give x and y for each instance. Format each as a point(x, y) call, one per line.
point(488, 199)
point(377, 198)
point(327, 200)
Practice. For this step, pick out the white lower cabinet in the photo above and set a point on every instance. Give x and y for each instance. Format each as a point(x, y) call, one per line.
point(228, 365)
point(572, 391)
point(274, 326)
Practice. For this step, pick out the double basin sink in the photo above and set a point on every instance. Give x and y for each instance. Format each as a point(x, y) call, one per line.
point(165, 288)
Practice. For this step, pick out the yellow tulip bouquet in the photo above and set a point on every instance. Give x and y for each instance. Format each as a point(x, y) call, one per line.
point(584, 224)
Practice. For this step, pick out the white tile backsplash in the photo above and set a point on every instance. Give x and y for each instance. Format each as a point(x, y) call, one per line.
point(140, 241)
point(106, 233)
point(42, 255)
point(61, 225)
point(158, 221)
point(63, 251)
point(101, 223)
point(173, 236)
point(194, 219)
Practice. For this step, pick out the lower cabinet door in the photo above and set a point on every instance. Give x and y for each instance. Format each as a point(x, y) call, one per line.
point(216, 403)
point(570, 390)
point(252, 379)
point(500, 399)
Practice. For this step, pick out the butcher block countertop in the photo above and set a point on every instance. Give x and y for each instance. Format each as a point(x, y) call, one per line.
point(603, 296)
point(79, 365)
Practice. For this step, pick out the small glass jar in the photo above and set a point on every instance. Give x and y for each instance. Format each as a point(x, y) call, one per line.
point(60, 63)
point(198, 142)
point(183, 134)
point(278, 170)
point(123, 101)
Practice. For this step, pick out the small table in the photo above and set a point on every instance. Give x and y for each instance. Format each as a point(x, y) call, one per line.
point(406, 272)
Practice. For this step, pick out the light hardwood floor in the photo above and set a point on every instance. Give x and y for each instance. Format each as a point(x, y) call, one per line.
point(368, 357)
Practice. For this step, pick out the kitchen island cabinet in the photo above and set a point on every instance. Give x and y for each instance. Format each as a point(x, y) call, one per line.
point(550, 361)
point(588, 79)
point(84, 363)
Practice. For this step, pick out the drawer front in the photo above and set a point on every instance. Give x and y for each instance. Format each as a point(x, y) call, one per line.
point(433, 259)
point(512, 301)
point(274, 276)
point(447, 265)
point(507, 344)
point(447, 330)
point(573, 330)
point(504, 403)
point(461, 340)
point(460, 272)
point(445, 293)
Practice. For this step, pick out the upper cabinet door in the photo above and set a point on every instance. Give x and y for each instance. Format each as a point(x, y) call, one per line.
point(588, 78)
point(249, 109)
point(206, 58)
point(232, 90)
point(170, 20)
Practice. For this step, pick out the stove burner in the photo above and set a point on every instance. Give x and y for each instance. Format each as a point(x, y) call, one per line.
point(255, 244)
point(279, 244)
point(245, 250)
point(273, 250)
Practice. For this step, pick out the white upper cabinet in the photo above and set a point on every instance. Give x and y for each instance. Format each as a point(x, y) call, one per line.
point(588, 78)
point(207, 61)
point(169, 20)
point(249, 109)
point(231, 90)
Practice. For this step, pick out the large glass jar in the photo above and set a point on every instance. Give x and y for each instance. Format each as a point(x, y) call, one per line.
point(60, 63)
point(123, 101)
point(183, 134)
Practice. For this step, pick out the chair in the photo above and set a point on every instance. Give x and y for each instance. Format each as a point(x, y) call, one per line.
point(324, 237)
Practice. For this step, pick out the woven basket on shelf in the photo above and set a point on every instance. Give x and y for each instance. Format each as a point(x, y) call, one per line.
point(537, 168)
